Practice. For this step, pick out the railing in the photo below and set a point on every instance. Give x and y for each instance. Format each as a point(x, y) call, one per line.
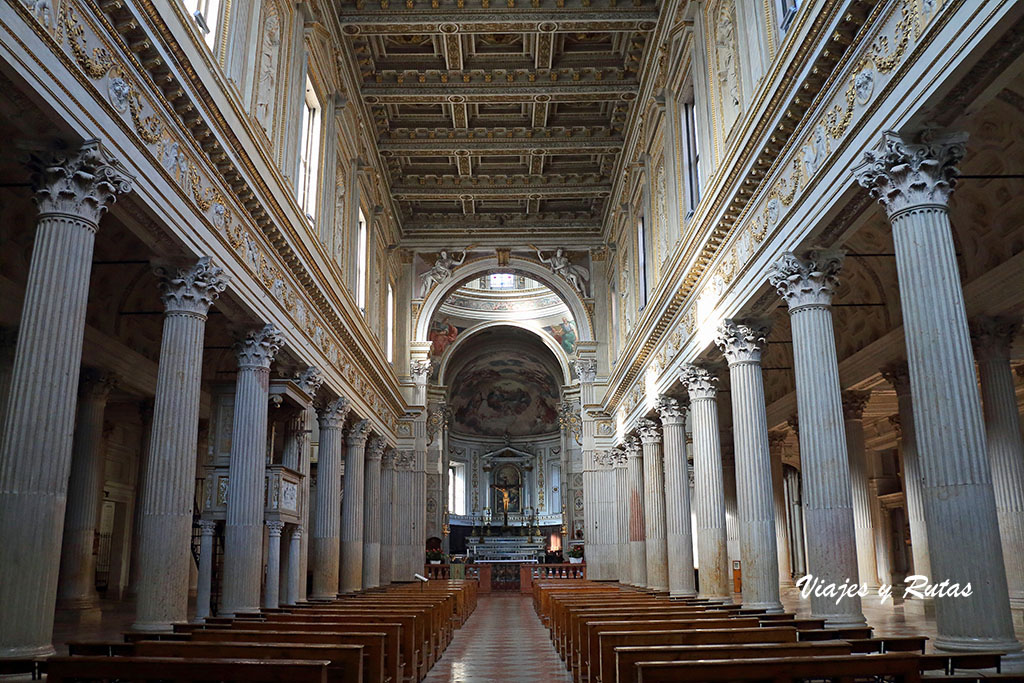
point(548, 572)
point(436, 571)
point(482, 573)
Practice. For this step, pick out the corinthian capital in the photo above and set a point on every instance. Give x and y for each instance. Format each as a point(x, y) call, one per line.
point(259, 347)
point(375, 448)
point(83, 184)
point(420, 369)
point(700, 382)
point(649, 431)
point(586, 368)
point(358, 433)
point(854, 402)
point(96, 384)
point(310, 380)
point(898, 375)
point(191, 290)
point(632, 447)
point(903, 175)
point(332, 414)
point(993, 337)
point(810, 282)
point(742, 341)
point(670, 410)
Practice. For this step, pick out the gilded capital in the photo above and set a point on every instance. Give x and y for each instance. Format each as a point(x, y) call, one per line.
point(191, 290)
point(905, 175)
point(259, 347)
point(807, 282)
point(82, 184)
point(742, 341)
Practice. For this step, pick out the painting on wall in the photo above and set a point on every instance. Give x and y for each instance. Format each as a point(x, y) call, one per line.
point(564, 333)
point(442, 333)
point(508, 393)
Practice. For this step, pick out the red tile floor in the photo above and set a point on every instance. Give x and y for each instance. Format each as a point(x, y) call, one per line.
point(503, 640)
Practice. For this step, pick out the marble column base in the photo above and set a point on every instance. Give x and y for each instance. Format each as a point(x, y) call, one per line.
point(88, 614)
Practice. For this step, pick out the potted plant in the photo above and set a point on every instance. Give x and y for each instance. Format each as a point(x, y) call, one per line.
point(435, 556)
point(576, 554)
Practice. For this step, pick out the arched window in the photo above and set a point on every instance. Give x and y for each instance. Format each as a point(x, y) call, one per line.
point(206, 14)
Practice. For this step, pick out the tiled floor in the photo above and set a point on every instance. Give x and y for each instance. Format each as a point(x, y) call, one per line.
point(502, 641)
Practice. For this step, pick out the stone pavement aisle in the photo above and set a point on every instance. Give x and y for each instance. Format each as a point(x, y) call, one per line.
point(502, 641)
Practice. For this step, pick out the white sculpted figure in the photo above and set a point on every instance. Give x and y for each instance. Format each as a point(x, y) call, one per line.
point(577, 276)
point(442, 269)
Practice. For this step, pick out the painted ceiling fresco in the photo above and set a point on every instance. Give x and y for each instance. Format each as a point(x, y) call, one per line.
point(506, 386)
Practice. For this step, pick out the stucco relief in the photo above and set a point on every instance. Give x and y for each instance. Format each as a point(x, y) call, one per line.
point(726, 67)
point(269, 66)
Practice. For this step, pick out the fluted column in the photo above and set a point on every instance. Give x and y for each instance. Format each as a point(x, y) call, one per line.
point(619, 462)
point(325, 547)
point(807, 287)
point(405, 552)
point(165, 534)
point(387, 517)
point(243, 528)
point(655, 542)
point(913, 182)
point(208, 528)
point(8, 344)
point(853, 415)
point(310, 380)
point(898, 375)
point(295, 574)
point(992, 341)
point(76, 588)
point(742, 343)
point(776, 442)
point(271, 594)
point(146, 419)
point(708, 486)
point(372, 513)
point(352, 503)
point(637, 526)
point(72, 192)
point(679, 528)
point(420, 370)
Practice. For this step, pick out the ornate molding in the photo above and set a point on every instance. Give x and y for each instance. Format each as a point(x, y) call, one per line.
point(259, 347)
point(904, 175)
point(810, 282)
point(82, 184)
point(742, 341)
point(192, 290)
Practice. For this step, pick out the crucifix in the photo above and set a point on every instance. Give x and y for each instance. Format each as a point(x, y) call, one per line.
point(505, 489)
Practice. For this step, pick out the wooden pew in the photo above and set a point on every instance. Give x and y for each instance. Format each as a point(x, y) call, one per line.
point(346, 661)
point(901, 666)
point(603, 658)
point(373, 643)
point(627, 657)
point(69, 669)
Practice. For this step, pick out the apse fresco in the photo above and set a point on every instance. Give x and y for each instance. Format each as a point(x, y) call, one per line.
point(564, 333)
point(511, 394)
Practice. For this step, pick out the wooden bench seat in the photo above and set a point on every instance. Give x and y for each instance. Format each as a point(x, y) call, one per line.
point(626, 657)
point(373, 643)
point(846, 668)
point(603, 658)
point(853, 633)
point(70, 669)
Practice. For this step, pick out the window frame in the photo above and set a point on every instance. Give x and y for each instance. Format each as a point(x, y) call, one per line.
point(691, 157)
point(641, 261)
point(310, 142)
point(786, 10)
point(389, 323)
point(201, 12)
point(362, 260)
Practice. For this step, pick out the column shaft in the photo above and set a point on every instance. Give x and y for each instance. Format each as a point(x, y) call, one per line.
point(622, 517)
point(243, 528)
point(271, 597)
point(352, 503)
point(387, 516)
point(325, 546)
point(72, 193)
point(853, 410)
point(295, 575)
point(781, 523)
point(679, 529)
point(637, 528)
point(203, 590)
point(76, 588)
point(165, 534)
point(371, 514)
point(655, 543)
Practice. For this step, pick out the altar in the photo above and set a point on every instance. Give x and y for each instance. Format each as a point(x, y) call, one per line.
point(518, 549)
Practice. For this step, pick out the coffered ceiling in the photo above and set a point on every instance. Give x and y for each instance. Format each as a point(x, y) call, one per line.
point(499, 121)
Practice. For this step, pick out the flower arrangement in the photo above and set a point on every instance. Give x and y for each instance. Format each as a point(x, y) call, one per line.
point(435, 555)
point(576, 552)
